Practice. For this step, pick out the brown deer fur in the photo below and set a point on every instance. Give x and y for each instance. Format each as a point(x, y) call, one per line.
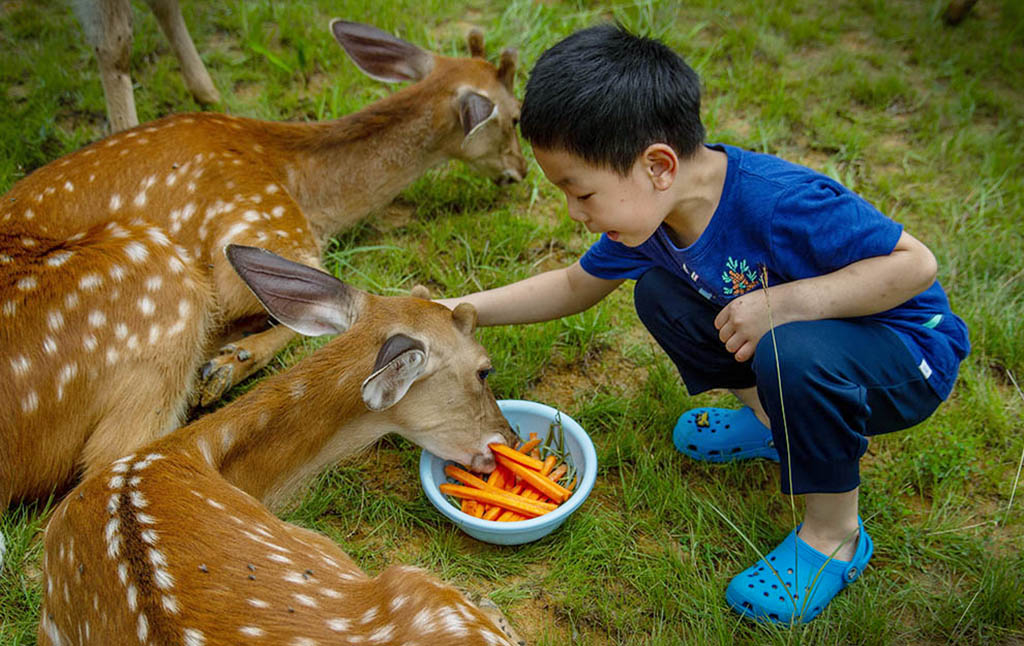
point(171, 545)
point(113, 286)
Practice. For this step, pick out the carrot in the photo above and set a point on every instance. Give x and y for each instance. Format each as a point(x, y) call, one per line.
point(529, 446)
point(466, 477)
point(492, 513)
point(515, 457)
point(468, 506)
point(502, 499)
point(557, 473)
point(497, 478)
point(549, 464)
point(550, 489)
point(479, 510)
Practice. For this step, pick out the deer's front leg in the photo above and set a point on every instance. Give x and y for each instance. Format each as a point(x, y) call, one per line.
point(273, 222)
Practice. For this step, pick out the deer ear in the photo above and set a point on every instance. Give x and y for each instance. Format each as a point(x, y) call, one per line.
point(464, 316)
point(400, 362)
point(307, 300)
point(507, 68)
point(474, 111)
point(380, 55)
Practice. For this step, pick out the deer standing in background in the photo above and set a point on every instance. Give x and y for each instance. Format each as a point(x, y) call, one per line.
point(108, 29)
point(170, 545)
point(114, 289)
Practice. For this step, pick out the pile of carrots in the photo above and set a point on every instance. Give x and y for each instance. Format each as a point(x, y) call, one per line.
point(523, 484)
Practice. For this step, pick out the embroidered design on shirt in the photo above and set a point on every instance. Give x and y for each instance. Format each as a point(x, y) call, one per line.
point(738, 277)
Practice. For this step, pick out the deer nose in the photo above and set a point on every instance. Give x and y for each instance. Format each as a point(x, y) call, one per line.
point(483, 463)
point(508, 176)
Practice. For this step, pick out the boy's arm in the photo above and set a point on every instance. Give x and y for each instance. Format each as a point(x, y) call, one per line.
point(861, 288)
point(550, 295)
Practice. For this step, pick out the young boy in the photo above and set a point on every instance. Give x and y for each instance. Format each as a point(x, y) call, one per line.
point(864, 336)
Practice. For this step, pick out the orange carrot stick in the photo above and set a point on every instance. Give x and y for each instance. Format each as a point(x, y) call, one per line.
point(557, 473)
point(505, 500)
point(466, 477)
point(549, 464)
point(550, 489)
point(529, 446)
point(468, 506)
point(515, 457)
point(478, 511)
point(492, 513)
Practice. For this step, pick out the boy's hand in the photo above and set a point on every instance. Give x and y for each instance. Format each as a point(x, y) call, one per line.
point(743, 322)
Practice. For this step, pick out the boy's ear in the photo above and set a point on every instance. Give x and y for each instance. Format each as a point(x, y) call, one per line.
point(661, 164)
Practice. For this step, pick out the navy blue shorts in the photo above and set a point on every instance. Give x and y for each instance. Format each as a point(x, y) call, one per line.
point(843, 380)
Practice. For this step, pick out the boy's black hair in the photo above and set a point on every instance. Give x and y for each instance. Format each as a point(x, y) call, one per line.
point(604, 94)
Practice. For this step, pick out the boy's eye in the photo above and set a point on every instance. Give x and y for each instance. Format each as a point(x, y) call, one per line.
point(583, 198)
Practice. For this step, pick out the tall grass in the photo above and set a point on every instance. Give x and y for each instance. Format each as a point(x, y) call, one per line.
point(922, 119)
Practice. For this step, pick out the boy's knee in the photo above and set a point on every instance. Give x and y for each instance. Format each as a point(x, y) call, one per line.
point(792, 347)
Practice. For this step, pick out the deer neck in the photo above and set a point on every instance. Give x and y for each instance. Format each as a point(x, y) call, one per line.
point(277, 437)
point(343, 170)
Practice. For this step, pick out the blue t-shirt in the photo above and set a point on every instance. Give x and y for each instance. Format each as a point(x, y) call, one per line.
point(795, 223)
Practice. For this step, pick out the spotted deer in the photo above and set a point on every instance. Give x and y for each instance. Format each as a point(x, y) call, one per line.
point(108, 30)
point(118, 308)
point(173, 544)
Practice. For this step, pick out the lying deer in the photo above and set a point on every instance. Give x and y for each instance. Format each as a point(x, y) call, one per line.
point(115, 293)
point(108, 29)
point(171, 544)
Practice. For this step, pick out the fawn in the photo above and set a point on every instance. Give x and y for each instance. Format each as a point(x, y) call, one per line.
point(108, 29)
point(115, 293)
point(171, 544)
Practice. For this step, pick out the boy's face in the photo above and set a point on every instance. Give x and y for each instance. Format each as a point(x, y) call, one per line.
point(625, 208)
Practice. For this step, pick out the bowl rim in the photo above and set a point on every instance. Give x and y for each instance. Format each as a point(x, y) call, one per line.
point(510, 527)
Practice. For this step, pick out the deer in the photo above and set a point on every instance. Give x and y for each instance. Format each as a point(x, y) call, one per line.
point(108, 30)
point(177, 542)
point(118, 311)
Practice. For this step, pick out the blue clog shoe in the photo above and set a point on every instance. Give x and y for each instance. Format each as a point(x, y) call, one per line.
point(723, 435)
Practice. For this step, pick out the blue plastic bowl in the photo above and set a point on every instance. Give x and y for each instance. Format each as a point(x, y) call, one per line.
point(525, 417)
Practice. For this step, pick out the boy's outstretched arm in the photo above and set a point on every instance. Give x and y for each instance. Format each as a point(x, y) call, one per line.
point(547, 296)
point(861, 288)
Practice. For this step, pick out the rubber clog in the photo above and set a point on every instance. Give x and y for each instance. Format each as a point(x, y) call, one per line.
point(776, 596)
point(723, 435)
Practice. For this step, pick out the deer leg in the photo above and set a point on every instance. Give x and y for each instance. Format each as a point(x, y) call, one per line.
point(197, 79)
point(108, 29)
point(236, 361)
point(494, 613)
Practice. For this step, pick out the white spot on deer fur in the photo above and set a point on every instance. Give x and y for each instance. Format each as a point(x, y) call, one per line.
point(49, 345)
point(121, 331)
point(133, 597)
point(204, 448)
point(330, 593)
point(143, 628)
point(68, 372)
point(139, 500)
point(191, 187)
point(97, 318)
point(213, 503)
point(29, 214)
point(115, 202)
point(280, 558)
point(53, 633)
point(113, 502)
point(112, 356)
point(122, 573)
point(149, 536)
point(28, 283)
point(397, 602)
point(303, 641)
point(5, 259)
point(136, 251)
point(30, 403)
point(89, 342)
point(176, 265)
point(258, 603)
point(163, 579)
point(369, 615)
point(117, 273)
point(144, 519)
point(339, 625)
point(170, 604)
point(158, 237)
point(176, 329)
point(194, 637)
point(146, 306)
point(90, 282)
point(29, 242)
point(59, 258)
point(69, 187)
point(154, 334)
point(277, 211)
point(295, 577)
point(251, 216)
point(20, 365)
point(71, 300)
point(252, 631)
point(10, 308)
point(305, 600)
point(55, 320)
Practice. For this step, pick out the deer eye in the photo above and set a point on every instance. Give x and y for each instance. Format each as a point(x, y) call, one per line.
point(483, 373)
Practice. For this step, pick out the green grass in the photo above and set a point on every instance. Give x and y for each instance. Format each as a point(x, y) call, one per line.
point(922, 119)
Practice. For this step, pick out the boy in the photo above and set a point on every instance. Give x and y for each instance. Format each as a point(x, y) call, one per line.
point(865, 338)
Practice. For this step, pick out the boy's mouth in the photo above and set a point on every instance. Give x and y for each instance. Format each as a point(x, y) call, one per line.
point(613, 235)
